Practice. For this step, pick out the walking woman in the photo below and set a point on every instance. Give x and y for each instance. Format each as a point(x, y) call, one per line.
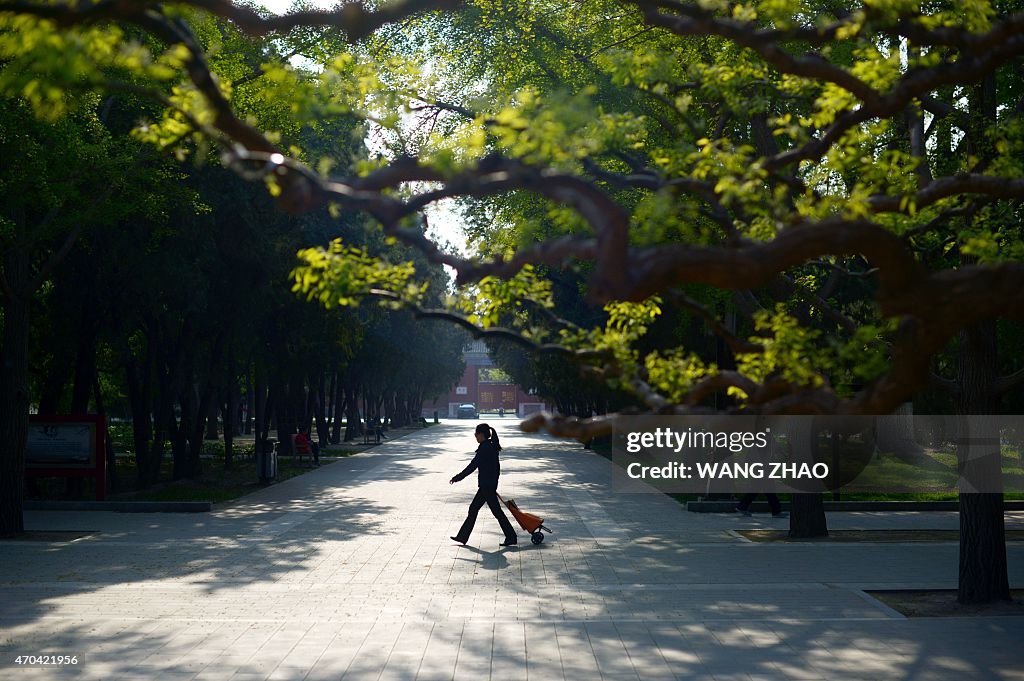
point(488, 469)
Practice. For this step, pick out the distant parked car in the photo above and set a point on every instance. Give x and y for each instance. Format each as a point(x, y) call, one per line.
point(466, 411)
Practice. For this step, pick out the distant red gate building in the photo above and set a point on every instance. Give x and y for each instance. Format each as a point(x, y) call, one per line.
point(486, 387)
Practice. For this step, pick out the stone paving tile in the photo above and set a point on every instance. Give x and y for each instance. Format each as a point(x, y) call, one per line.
point(347, 573)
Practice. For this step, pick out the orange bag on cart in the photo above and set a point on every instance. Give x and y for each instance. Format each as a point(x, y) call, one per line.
point(528, 521)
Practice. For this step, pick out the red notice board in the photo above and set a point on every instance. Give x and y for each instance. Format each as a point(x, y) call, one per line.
point(68, 447)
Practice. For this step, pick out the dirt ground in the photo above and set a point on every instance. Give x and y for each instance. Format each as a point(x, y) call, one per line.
point(873, 536)
point(942, 603)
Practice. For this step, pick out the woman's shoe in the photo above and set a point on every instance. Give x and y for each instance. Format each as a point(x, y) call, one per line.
point(508, 542)
point(461, 541)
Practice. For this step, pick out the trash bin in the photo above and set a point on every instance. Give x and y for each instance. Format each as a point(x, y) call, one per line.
point(266, 463)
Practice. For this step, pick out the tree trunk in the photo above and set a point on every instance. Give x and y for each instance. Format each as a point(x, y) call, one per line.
point(983, 567)
point(896, 434)
point(163, 425)
point(331, 408)
point(806, 511)
point(259, 411)
point(250, 402)
point(320, 416)
point(212, 412)
point(284, 416)
point(231, 407)
point(108, 442)
point(269, 410)
point(231, 420)
point(178, 429)
point(53, 384)
point(807, 516)
point(340, 403)
point(417, 406)
point(377, 409)
point(174, 370)
point(85, 361)
point(299, 402)
point(205, 413)
point(14, 400)
point(353, 428)
point(140, 401)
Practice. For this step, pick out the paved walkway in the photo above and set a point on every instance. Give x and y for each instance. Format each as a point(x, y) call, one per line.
point(348, 573)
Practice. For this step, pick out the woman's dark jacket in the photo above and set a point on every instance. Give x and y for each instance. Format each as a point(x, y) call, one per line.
point(486, 463)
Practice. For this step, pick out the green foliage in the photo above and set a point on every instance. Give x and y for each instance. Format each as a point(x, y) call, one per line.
point(865, 354)
point(565, 91)
point(493, 297)
point(626, 324)
point(344, 275)
point(791, 351)
point(684, 130)
point(674, 372)
point(46, 65)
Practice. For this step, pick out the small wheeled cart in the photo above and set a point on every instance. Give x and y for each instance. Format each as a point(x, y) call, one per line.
point(529, 522)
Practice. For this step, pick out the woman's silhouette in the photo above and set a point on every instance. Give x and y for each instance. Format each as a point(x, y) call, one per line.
point(488, 469)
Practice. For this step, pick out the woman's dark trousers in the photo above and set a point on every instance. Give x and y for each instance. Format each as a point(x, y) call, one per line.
point(774, 505)
point(489, 497)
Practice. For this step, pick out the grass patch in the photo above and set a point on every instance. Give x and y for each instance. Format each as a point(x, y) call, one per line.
point(931, 472)
point(215, 483)
point(212, 486)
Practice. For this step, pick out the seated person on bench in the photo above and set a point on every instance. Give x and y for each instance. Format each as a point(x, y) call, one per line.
point(303, 446)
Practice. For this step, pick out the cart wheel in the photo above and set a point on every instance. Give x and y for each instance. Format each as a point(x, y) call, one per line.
point(537, 537)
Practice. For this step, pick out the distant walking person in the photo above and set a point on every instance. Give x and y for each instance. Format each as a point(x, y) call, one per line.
point(774, 505)
point(488, 469)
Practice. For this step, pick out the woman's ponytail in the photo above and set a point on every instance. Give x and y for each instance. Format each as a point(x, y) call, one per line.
point(491, 435)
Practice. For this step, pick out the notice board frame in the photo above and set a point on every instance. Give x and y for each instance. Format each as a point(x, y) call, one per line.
point(43, 428)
